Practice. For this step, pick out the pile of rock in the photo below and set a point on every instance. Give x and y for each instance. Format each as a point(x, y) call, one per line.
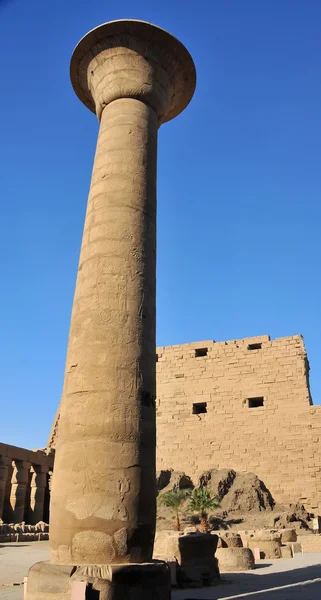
point(237, 491)
point(295, 515)
point(22, 532)
point(243, 498)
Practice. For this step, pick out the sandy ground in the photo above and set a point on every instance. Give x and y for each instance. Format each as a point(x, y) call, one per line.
point(15, 560)
point(293, 579)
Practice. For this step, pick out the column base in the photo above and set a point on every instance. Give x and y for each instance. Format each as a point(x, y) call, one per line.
point(145, 581)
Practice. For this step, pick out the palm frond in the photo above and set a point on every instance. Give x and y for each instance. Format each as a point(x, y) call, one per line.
point(174, 498)
point(201, 501)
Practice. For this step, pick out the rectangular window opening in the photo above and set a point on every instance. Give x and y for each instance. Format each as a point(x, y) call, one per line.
point(199, 408)
point(256, 402)
point(156, 357)
point(254, 347)
point(200, 352)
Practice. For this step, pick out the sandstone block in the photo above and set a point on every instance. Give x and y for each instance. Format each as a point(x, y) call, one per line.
point(150, 581)
point(193, 553)
point(286, 552)
point(288, 535)
point(235, 559)
point(269, 548)
point(230, 540)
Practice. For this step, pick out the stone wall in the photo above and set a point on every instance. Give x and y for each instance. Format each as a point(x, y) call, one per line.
point(310, 543)
point(280, 441)
point(24, 484)
point(242, 404)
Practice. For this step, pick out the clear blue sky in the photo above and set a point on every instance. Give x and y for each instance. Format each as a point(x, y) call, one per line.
point(239, 186)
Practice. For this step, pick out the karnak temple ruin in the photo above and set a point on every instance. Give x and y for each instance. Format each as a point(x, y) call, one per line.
point(243, 405)
point(232, 422)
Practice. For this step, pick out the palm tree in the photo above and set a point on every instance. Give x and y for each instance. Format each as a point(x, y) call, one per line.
point(201, 503)
point(174, 500)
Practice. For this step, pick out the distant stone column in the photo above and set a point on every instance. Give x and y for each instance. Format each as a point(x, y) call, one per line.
point(19, 484)
point(37, 494)
point(4, 464)
point(50, 481)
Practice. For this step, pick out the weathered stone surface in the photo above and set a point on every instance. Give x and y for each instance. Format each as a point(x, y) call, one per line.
point(279, 441)
point(295, 515)
point(104, 478)
point(219, 481)
point(193, 554)
point(309, 543)
point(286, 552)
point(18, 490)
point(235, 559)
point(134, 76)
point(47, 581)
point(296, 547)
point(269, 545)
point(230, 540)
point(230, 433)
point(288, 535)
point(167, 480)
point(247, 492)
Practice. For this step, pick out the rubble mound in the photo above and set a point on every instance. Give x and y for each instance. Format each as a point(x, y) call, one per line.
point(219, 481)
point(247, 493)
point(295, 514)
point(243, 497)
point(237, 491)
point(169, 479)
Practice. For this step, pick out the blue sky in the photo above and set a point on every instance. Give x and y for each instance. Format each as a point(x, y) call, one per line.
point(239, 186)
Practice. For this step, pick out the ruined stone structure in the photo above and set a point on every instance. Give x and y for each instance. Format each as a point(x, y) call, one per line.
point(135, 77)
point(245, 405)
point(24, 484)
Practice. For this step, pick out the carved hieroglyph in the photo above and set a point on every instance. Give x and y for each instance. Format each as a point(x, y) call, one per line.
point(135, 76)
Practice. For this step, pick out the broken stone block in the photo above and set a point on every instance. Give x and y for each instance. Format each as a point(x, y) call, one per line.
point(235, 559)
point(193, 553)
point(286, 552)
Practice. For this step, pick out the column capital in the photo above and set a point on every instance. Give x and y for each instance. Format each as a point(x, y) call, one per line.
point(39, 469)
point(21, 464)
point(20, 472)
point(133, 59)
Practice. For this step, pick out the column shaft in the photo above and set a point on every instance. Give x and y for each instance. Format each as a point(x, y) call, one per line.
point(19, 484)
point(37, 494)
point(103, 501)
point(4, 462)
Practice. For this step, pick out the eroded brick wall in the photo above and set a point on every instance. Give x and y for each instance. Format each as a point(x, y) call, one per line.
point(279, 441)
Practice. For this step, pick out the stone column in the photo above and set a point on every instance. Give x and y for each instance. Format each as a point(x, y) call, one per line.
point(4, 463)
point(135, 77)
point(37, 495)
point(19, 484)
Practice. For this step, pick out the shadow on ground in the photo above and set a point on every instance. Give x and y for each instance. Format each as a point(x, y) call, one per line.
point(235, 584)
